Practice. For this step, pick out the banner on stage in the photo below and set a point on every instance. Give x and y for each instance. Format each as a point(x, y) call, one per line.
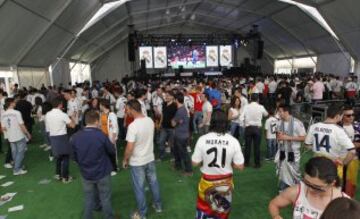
point(160, 57)
point(145, 53)
point(226, 56)
point(212, 56)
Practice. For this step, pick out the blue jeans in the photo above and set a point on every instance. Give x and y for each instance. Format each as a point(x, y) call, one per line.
point(271, 148)
point(138, 175)
point(18, 152)
point(233, 128)
point(165, 135)
point(196, 120)
point(98, 196)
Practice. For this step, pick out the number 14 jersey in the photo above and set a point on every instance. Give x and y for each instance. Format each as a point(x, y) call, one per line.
point(217, 152)
point(329, 140)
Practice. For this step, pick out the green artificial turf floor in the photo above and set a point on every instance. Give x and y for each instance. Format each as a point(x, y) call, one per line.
point(254, 188)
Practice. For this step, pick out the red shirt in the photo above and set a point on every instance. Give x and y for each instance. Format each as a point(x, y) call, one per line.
point(197, 102)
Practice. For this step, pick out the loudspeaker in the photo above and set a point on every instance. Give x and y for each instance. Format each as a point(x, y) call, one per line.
point(143, 67)
point(247, 61)
point(131, 48)
point(260, 51)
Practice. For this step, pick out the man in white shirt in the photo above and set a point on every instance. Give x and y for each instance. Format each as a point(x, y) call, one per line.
point(272, 89)
point(330, 140)
point(252, 118)
point(17, 134)
point(218, 153)
point(290, 134)
point(108, 96)
point(351, 169)
point(56, 121)
point(139, 155)
point(317, 89)
point(141, 97)
point(270, 129)
point(351, 89)
point(120, 111)
point(207, 110)
point(73, 110)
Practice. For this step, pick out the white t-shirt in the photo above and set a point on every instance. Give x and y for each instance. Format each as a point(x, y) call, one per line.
point(351, 86)
point(260, 87)
point(235, 114)
point(272, 87)
point(217, 153)
point(157, 102)
point(73, 109)
point(56, 121)
point(11, 120)
point(143, 107)
point(189, 103)
point(113, 126)
point(329, 140)
point(206, 108)
point(141, 132)
point(94, 93)
point(120, 107)
point(253, 114)
point(299, 130)
point(270, 127)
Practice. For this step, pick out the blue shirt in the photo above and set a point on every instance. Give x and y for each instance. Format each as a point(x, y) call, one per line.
point(214, 94)
point(93, 152)
point(182, 123)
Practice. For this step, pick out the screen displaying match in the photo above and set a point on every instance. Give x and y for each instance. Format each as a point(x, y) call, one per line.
point(187, 56)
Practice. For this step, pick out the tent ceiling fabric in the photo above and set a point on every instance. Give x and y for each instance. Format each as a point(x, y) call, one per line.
point(35, 32)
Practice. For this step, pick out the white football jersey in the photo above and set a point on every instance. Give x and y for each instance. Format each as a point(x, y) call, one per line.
point(329, 140)
point(217, 153)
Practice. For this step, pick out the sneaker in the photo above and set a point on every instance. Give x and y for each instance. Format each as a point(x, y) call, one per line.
point(188, 148)
point(57, 177)
point(8, 166)
point(48, 148)
point(113, 173)
point(188, 174)
point(51, 158)
point(136, 215)
point(168, 150)
point(43, 146)
point(67, 181)
point(20, 172)
point(157, 209)
point(267, 159)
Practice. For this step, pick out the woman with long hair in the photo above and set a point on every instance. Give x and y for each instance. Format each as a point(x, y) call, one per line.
point(234, 116)
point(319, 186)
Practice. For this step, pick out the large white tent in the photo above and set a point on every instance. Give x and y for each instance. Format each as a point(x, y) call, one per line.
point(34, 34)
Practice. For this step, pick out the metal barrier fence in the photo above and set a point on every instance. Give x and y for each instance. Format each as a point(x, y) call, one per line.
point(310, 113)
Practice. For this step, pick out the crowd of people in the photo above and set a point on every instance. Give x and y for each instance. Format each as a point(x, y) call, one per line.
point(86, 122)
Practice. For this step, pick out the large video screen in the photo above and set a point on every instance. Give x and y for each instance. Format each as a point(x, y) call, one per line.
point(226, 56)
point(187, 56)
point(145, 53)
point(160, 57)
point(212, 56)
